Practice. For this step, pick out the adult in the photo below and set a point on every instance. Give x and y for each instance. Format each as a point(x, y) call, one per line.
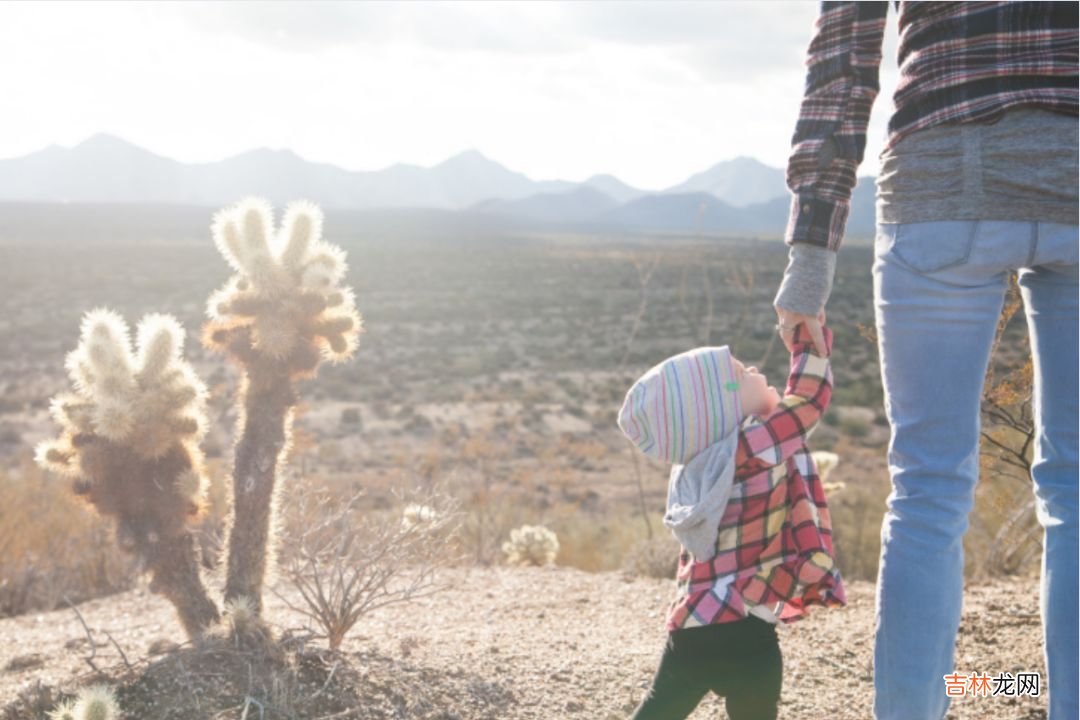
point(978, 178)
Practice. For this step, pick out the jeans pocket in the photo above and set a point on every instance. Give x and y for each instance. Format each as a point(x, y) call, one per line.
point(927, 247)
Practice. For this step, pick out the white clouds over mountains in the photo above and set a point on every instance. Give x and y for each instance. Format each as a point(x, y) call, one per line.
point(648, 91)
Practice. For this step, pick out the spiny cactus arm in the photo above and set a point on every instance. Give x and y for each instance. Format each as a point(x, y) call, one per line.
point(338, 333)
point(102, 370)
point(159, 339)
point(72, 413)
point(302, 224)
point(57, 456)
point(324, 267)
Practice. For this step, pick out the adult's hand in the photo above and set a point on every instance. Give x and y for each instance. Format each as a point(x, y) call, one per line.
point(789, 320)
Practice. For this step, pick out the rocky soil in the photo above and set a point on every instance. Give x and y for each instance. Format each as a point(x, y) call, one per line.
point(505, 643)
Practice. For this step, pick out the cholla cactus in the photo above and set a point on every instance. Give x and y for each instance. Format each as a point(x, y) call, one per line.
point(826, 462)
point(63, 711)
point(531, 545)
point(282, 312)
point(129, 438)
point(96, 702)
point(416, 515)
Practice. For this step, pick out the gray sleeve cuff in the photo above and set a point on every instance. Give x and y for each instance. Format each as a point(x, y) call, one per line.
point(807, 280)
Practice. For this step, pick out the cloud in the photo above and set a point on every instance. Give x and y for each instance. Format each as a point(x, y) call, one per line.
point(747, 39)
point(744, 39)
point(651, 92)
point(452, 26)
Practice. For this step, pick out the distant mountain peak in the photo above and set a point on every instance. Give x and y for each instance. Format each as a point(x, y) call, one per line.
point(613, 186)
point(284, 153)
point(741, 181)
point(466, 158)
point(107, 141)
point(106, 147)
point(604, 178)
point(746, 160)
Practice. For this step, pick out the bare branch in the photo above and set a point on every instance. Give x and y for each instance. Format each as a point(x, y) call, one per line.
point(344, 565)
point(644, 273)
point(89, 637)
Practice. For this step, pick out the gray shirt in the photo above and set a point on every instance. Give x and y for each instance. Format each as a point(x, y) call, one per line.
point(1022, 166)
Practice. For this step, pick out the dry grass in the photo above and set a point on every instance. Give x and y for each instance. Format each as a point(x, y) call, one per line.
point(52, 546)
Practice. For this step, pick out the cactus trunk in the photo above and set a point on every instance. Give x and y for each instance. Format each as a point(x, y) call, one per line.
point(175, 564)
point(268, 399)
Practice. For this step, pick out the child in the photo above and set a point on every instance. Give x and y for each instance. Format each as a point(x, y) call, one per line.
point(745, 502)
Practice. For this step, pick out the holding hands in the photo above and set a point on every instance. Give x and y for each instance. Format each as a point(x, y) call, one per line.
point(788, 321)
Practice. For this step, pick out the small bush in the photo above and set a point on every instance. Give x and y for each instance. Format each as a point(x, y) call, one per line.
point(655, 558)
point(854, 427)
point(351, 416)
point(531, 545)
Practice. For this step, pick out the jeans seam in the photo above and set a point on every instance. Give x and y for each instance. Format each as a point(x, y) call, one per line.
point(1034, 244)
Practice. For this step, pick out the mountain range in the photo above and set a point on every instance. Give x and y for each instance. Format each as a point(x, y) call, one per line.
point(739, 195)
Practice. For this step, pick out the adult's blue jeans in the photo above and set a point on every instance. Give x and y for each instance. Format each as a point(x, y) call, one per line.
point(938, 292)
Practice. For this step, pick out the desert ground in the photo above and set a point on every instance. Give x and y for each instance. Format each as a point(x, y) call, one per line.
point(535, 643)
point(492, 363)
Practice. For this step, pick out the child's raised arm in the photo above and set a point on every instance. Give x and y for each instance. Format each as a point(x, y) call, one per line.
point(770, 441)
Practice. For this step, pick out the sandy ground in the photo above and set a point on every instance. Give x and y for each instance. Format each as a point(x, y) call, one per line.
point(561, 643)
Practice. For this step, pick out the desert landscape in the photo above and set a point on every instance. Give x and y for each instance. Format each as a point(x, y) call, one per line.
point(491, 365)
point(316, 319)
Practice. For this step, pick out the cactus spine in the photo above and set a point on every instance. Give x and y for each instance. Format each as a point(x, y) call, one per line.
point(278, 317)
point(129, 440)
point(96, 702)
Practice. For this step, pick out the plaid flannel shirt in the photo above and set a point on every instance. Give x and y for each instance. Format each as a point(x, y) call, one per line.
point(958, 61)
point(774, 542)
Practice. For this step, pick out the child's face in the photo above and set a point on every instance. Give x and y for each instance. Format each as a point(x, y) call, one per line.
point(755, 393)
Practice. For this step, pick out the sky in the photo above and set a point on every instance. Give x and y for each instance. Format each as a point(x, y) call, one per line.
point(651, 92)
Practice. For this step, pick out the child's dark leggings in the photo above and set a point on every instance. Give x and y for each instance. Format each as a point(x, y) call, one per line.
point(739, 661)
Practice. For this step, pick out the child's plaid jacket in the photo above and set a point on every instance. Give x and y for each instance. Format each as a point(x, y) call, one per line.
point(774, 542)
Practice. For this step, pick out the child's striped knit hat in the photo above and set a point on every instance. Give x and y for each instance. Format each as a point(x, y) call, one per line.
point(683, 405)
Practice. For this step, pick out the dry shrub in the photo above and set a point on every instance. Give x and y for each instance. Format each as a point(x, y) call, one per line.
point(594, 541)
point(488, 517)
point(344, 562)
point(51, 547)
point(657, 557)
point(490, 509)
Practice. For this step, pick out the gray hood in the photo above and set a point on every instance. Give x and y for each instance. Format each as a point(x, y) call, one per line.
point(698, 494)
